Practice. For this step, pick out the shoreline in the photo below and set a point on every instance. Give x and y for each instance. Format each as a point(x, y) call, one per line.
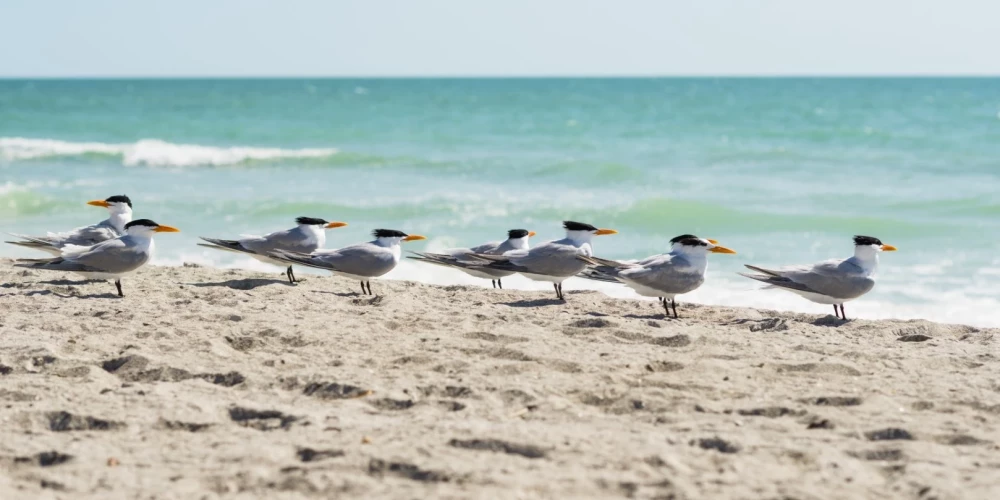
point(223, 381)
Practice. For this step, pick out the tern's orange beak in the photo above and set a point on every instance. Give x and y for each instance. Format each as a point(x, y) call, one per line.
point(602, 232)
point(714, 242)
point(414, 237)
point(334, 225)
point(720, 249)
point(531, 233)
point(98, 203)
point(166, 229)
point(888, 248)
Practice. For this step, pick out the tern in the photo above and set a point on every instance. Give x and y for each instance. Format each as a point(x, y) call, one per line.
point(517, 239)
point(361, 262)
point(109, 259)
point(665, 276)
point(833, 281)
point(553, 261)
point(305, 238)
point(120, 208)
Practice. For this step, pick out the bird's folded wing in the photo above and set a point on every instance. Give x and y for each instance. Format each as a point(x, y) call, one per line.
point(778, 281)
point(56, 264)
point(229, 245)
point(31, 240)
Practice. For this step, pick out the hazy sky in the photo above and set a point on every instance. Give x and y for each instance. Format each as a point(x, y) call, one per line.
point(510, 37)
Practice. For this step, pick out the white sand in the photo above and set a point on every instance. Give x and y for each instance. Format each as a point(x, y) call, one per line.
point(204, 383)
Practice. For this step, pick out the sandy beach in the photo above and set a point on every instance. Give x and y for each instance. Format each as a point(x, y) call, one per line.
point(206, 383)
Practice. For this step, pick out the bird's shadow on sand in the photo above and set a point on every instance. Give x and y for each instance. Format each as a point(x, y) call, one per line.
point(71, 282)
point(71, 296)
point(534, 303)
point(343, 294)
point(243, 284)
point(832, 321)
point(660, 316)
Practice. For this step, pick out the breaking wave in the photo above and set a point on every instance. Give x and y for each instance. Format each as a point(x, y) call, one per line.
point(151, 152)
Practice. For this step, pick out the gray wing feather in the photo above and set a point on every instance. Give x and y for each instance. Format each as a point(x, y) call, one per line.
point(551, 259)
point(112, 256)
point(365, 259)
point(840, 279)
point(668, 273)
point(83, 236)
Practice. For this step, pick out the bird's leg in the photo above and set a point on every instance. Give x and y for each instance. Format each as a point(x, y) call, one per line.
point(673, 303)
point(666, 308)
point(370, 288)
point(500, 285)
point(561, 295)
point(836, 312)
point(556, 287)
point(118, 285)
point(290, 276)
point(363, 292)
point(660, 299)
point(494, 283)
point(843, 314)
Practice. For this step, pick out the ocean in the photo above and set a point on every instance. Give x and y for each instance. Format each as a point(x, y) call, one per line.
point(784, 171)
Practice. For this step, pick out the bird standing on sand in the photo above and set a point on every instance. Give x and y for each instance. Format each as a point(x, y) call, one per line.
point(307, 237)
point(361, 262)
point(120, 209)
point(553, 261)
point(833, 281)
point(682, 270)
point(109, 259)
point(517, 239)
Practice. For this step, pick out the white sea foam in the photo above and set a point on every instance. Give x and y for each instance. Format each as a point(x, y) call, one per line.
point(151, 152)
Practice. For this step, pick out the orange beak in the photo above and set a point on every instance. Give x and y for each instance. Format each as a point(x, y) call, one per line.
point(166, 229)
point(334, 225)
point(718, 249)
point(414, 237)
point(602, 232)
point(99, 203)
point(888, 248)
point(531, 233)
point(714, 242)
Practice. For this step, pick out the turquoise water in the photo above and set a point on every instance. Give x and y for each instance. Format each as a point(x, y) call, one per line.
point(782, 170)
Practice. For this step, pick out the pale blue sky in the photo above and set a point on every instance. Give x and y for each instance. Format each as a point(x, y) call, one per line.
point(497, 38)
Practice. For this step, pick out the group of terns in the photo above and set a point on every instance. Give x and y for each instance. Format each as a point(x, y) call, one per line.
point(119, 245)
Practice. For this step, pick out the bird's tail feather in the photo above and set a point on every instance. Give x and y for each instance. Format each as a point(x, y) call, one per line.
point(763, 271)
point(30, 239)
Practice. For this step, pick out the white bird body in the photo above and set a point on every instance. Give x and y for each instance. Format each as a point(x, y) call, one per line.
point(680, 271)
point(831, 282)
point(306, 237)
point(120, 214)
point(111, 259)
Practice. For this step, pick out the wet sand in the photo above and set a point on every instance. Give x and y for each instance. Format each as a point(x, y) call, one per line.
point(206, 383)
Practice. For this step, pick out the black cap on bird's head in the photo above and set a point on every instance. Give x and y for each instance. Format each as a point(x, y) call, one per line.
point(692, 241)
point(580, 226)
point(867, 240)
point(106, 203)
point(518, 233)
point(388, 233)
point(577, 226)
point(315, 221)
point(864, 241)
point(146, 223)
point(120, 198)
point(310, 221)
point(689, 240)
point(392, 233)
